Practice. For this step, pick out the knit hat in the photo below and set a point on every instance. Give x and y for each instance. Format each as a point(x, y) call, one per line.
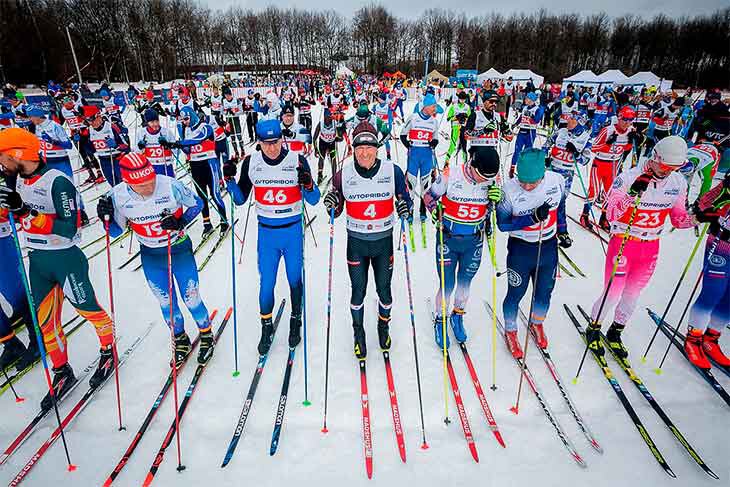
point(531, 166)
point(268, 130)
point(362, 111)
point(429, 100)
point(288, 108)
point(151, 114)
point(485, 161)
point(364, 134)
point(136, 169)
point(188, 112)
point(531, 96)
point(20, 144)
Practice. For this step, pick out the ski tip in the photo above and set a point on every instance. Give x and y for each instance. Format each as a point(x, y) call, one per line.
point(515, 410)
point(71, 467)
point(474, 453)
point(500, 440)
point(658, 371)
point(107, 483)
point(597, 447)
point(148, 480)
point(19, 399)
point(235, 373)
point(228, 313)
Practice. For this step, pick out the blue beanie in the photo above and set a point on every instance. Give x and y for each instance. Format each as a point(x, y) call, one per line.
point(531, 166)
point(429, 100)
point(532, 96)
point(268, 130)
point(189, 112)
point(151, 114)
point(104, 93)
point(34, 111)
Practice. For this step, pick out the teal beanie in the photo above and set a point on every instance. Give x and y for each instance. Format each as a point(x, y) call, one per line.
point(531, 166)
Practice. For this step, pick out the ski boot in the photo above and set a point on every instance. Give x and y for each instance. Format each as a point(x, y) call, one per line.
point(207, 344)
point(585, 221)
point(457, 324)
point(513, 344)
point(84, 218)
point(438, 332)
point(694, 347)
point(384, 332)
point(320, 178)
point(387, 155)
point(613, 336)
point(593, 338)
point(224, 226)
point(295, 330)
point(361, 349)
point(182, 348)
point(207, 229)
point(13, 351)
point(104, 369)
point(63, 380)
point(539, 332)
point(267, 335)
point(30, 356)
point(603, 223)
point(712, 348)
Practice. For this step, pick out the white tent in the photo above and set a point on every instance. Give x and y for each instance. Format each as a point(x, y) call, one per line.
point(491, 73)
point(612, 76)
point(647, 78)
point(522, 75)
point(344, 71)
point(583, 78)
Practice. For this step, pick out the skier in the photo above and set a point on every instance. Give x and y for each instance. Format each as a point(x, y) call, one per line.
point(529, 119)
point(280, 179)
point(46, 203)
point(155, 141)
point(215, 102)
point(385, 113)
point(609, 147)
point(158, 208)
point(532, 211)
point(55, 142)
point(368, 189)
point(711, 310)
point(662, 193)
point(197, 140)
point(467, 194)
point(232, 110)
point(325, 134)
point(486, 127)
point(702, 159)
point(297, 138)
point(304, 105)
point(71, 113)
point(420, 135)
point(111, 109)
point(665, 115)
point(567, 147)
point(458, 114)
point(109, 143)
point(251, 108)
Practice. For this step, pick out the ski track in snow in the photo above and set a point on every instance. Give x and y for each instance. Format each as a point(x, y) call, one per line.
point(533, 454)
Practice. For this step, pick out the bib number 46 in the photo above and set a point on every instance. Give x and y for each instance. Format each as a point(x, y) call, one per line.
point(272, 196)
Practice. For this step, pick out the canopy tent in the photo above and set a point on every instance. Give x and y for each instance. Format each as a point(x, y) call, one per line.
point(435, 75)
point(398, 74)
point(647, 78)
point(584, 78)
point(612, 76)
point(344, 71)
point(491, 73)
point(522, 75)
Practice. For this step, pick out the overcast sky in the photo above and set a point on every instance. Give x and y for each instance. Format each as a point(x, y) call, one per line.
point(401, 8)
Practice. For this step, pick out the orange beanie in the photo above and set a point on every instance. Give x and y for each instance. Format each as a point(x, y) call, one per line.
point(20, 144)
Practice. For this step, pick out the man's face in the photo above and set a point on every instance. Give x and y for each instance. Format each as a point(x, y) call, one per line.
point(429, 111)
point(37, 120)
point(9, 165)
point(145, 189)
point(154, 124)
point(229, 96)
point(530, 186)
point(288, 119)
point(365, 155)
point(97, 121)
point(489, 105)
point(572, 123)
point(271, 149)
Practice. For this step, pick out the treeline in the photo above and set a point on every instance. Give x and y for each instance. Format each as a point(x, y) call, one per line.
point(163, 39)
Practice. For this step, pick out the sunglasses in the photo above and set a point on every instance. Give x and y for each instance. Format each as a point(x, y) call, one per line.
point(627, 119)
point(665, 167)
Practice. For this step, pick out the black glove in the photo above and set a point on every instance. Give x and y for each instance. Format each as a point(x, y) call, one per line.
point(726, 181)
point(402, 208)
point(229, 170)
point(564, 240)
point(105, 208)
point(166, 144)
point(611, 138)
point(304, 178)
point(331, 200)
point(541, 213)
point(287, 133)
point(636, 138)
point(433, 143)
point(11, 200)
point(572, 148)
point(141, 144)
point(170, 222)
point(640, 184)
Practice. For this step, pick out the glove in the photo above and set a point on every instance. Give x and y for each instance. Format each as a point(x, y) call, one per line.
point(572, 148)
point(76, 137)
point(433, 143)
point(141, 144)
point(229, 170)
point(611, 138)
point(495, 193)
point(541, 213)
point(564, 240)
point(402, 208)
point(105, 208)
point(170, 222)
point(726, 181)
point(46, 138)
point(304, 178)
point(163, 141)
point(331, 200)
point(11, 200)
point(640, 184)
point(287, 133)
point(111, 143)
point(406, 143)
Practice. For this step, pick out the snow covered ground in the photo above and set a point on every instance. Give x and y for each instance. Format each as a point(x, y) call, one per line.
point(533, 455)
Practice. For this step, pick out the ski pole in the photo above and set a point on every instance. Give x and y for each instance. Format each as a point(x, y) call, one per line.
point(308, 223)
point(443, 311)
point(329, 316)
point(235, 307)
point(658, 370)
point(245, 229)
point(491, 243)
point(115, 356)
point(39, 337)
point(18, 398)
point(424, 445)
point(676, 288)
point(516, 408)
point(170, 290)
point(616, 261)
point(303, 309)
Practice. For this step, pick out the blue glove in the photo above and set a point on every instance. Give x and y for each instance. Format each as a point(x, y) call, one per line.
point(46, 138)
point(111, 143)
point(77, 137)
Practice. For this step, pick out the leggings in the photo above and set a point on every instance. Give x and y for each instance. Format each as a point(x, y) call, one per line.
point(712, 307)
point(206, 176)
point(462, 258)
point(272, 245)
point(361, 255)
point(327, 150)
